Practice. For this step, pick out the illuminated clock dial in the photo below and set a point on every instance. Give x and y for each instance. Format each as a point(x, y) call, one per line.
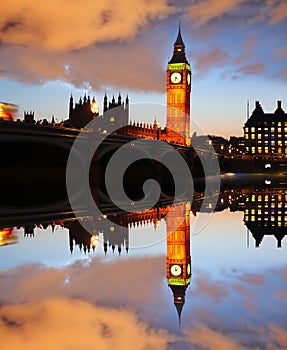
point(188, 79)
point(188, 269)
point(175, 270)
point(175, 78)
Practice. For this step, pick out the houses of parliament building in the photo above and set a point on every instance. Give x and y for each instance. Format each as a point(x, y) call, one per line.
point(178, 89)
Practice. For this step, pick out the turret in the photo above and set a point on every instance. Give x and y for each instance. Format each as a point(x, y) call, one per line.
point(105, 103)
point(71, 105)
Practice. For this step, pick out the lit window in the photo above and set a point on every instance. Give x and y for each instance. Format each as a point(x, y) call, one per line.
point(259, 149)
point(246, 129)
point(260, 198)
point(266, 149)
point(252, 218)
point(246, 136)
point(252, 129)
point(252, 136)
point(279, 123)
point(259, 136)
point(279, 129)
point(272, 129)
point(272, 143)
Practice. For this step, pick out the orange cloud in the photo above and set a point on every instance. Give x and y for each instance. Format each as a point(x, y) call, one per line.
point(213, 339)
point(70, 25)
point(60, 324)
point(278, 13)
point(207, 10)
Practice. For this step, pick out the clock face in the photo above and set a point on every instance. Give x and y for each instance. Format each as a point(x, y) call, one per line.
point(188, 79)
point(188, 269)
point(175, 270)
point(175, 78)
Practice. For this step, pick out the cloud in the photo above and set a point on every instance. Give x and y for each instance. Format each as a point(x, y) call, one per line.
point(118, 65)
point(207, 10)
point(249, 48)
point(252, 279)
point(122, 304)
point(253, 68)
point(211, 289)
point(216, 57)
point(82, 43)
point(278, 12)
point(70, 25)
point(281, 52)
point(239, 10)
point(61, 323)
point(278, 338)
point(213, 339)
point(30, 283)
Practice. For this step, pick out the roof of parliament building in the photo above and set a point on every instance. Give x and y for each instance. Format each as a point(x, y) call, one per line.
point(258, 116)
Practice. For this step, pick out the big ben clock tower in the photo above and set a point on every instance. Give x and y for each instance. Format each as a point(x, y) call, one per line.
point(178, 259)
point(178, 88)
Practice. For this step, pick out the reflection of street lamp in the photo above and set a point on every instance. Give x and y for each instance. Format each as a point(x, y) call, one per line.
point(94, 107)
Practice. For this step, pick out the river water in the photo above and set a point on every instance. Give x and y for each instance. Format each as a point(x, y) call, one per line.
point(195, 279)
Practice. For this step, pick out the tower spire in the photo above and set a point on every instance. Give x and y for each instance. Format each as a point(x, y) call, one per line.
point(179, 49)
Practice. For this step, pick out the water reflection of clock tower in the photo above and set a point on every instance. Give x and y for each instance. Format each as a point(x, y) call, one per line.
point(178, 88)
point(178, 259)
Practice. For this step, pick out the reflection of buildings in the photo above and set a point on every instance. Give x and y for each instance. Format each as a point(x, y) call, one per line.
point(266, 214)
point(178, 260)
point(7, 236)
point(266, 133)
point(114, 237)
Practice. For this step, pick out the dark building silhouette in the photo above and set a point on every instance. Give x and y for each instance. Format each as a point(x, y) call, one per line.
point(29, 117)
point(86, 109)
point(266, 133)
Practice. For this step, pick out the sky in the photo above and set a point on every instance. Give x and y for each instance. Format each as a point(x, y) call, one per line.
point(237, 50)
